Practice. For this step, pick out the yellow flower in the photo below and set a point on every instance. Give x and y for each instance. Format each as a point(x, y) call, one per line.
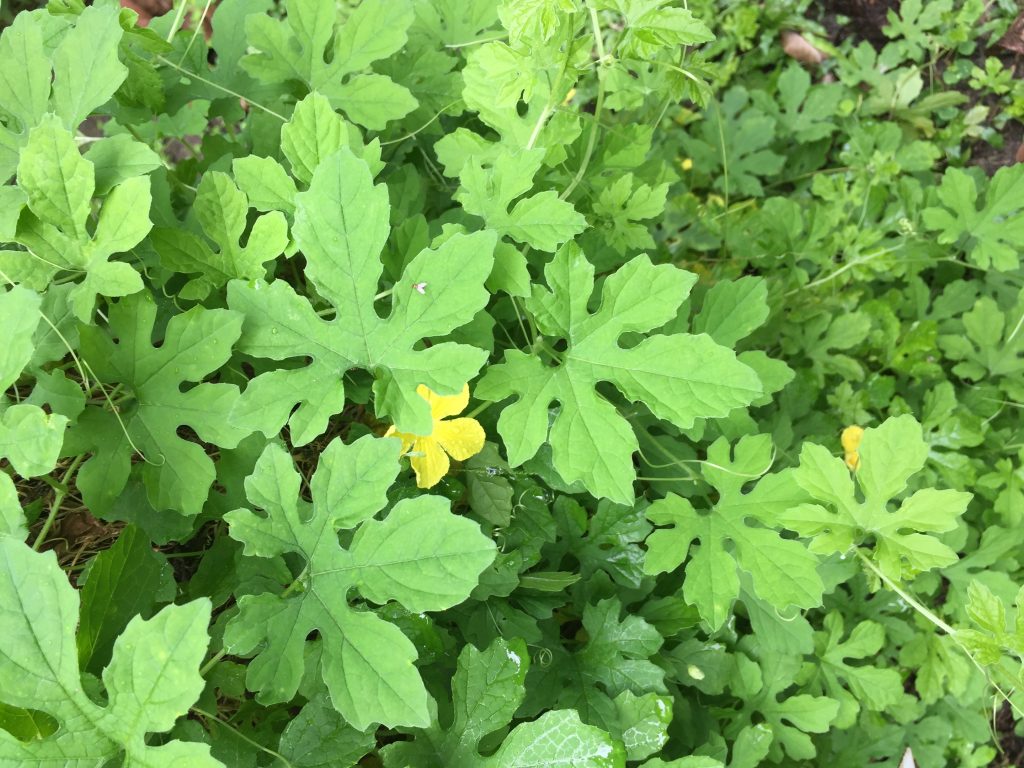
point(850, 440)
point(458, 438)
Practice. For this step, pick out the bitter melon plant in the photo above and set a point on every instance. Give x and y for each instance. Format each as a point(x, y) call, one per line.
point(507, 383)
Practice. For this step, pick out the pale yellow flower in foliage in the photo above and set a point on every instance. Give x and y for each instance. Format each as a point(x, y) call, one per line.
point(458, 438)
point(850, 440)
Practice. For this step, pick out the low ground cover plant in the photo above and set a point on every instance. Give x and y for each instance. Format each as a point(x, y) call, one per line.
point(582, 383)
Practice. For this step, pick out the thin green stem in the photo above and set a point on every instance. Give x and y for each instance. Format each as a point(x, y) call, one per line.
point(725, 153)
point(549, 107)
point(539, 345)
point(1015, 331)
point(539, 125)
point(117, 415)
point(242, 736)
point(595, 24)
point(479, 409)
point(522, 326)
point(204, 670)
point(666, 479)
point(422, 127)
point(588, 152)
point(198, 553)
point(58, 498)
point(476, 42)
point(56, 485)
point(219, 87)
point(176, 24)
point(845, 268)
point(719, 467)
point(910, 600)
point(939, 623)
point(196, 31)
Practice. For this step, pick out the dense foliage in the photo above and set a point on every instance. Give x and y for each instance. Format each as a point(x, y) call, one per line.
point(579, 383)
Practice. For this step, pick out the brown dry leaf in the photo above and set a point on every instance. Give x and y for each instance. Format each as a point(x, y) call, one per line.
point(1013, 40)
point(1019, 157)
point(797, 46)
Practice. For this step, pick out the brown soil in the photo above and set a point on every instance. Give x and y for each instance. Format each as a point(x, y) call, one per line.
point(991, 158)
point(866, 20)
point(1011, 745)
point(867, 17)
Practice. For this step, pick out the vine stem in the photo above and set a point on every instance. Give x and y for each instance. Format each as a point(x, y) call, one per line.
point(907, 597)
point(58, 498)
point(946, 628)
point(176, 24)
point(476, 42)
point(195, 32)
point(218, 86)
point(549, 107)
point(242, 736)
point(845, 268)
point(539, 126)
point(479, 409)
point(588, 152)
point(411, 135)
point(204, 670)
point(598, 39)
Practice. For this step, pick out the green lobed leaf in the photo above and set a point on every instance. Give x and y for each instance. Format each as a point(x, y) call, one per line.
point(343, 262)
point(178, 473)
point(888, 456)
point(86, 69)
point(420, 555)
point(59, 184)
point(853, 685)
point(221, 210)
point(30, 438)
point(783, 572)
point(991, 236)
point(486, 691)
point(542, 220)
point(319, 737)
point(679, 377)
point(308, 47)
point(151, 680)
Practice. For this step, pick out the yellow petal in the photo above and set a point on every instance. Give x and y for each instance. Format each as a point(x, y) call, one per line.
point(850, 440)
point(429, 462)
point(442, 406)
point(407, 439)
point(461, 438)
